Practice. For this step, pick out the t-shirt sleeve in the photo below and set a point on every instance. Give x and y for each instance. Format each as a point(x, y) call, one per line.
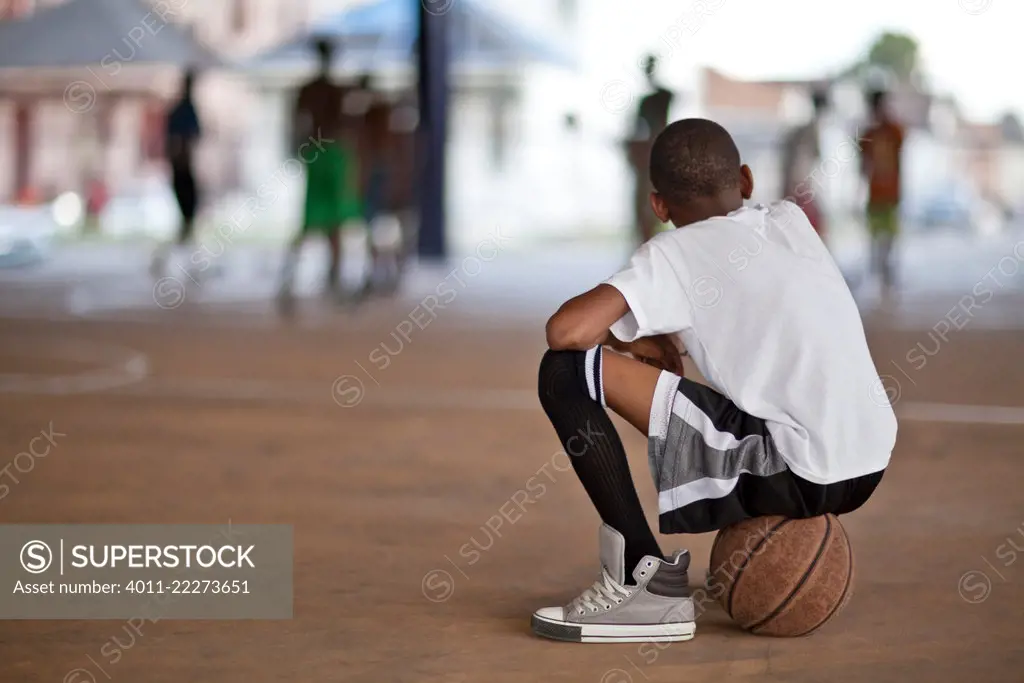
point(653, 287)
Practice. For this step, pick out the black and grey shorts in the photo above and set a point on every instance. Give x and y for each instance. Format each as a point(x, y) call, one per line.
point(715, 465)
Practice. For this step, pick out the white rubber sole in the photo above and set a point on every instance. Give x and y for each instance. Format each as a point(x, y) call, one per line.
point(613, 633)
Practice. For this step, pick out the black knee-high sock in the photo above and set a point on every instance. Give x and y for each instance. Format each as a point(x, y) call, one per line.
point(572, 394)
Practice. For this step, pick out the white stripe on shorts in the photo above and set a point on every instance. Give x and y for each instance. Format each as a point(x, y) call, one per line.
point(691, 459)
point(702, 489)
point(688, 411)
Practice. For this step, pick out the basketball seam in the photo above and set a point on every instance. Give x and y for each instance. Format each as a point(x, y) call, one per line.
point(842, 598)
point(746, 561)
point(803, 579)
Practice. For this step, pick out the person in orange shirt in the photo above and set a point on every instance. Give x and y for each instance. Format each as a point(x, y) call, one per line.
point(881, 149)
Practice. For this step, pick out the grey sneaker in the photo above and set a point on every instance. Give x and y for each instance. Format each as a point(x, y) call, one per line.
point(656, 610)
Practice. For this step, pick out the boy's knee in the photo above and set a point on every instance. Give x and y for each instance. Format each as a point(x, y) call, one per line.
point(558, 379)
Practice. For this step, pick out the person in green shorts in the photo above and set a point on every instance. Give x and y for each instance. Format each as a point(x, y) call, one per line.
point(324, 141)
point(881, 149)
point(332, 188)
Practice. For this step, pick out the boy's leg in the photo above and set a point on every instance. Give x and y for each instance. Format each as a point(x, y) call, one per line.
point(641, 595)
point(574, 387)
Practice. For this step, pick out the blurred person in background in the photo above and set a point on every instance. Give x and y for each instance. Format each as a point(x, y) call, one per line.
point(881, 149)
point(401, 187)
point(96, 198)
point(183, 133)
point(651, 119)
point(325, 139)
point(801, 153)
point(376, 160)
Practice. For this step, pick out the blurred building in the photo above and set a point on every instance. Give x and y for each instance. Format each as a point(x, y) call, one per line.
point(506, 129)
point(954, 170)
point(994, 157)
point(498, 66)
point(64, 121)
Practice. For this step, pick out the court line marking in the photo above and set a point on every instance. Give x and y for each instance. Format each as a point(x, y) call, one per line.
point(126, 371)
point(131, 379)
point(960, 413)
point(119, 366)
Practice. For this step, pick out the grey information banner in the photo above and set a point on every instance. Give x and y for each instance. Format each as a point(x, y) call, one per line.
point(146, 572)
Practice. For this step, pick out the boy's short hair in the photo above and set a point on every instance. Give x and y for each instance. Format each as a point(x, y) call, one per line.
point(694, 158)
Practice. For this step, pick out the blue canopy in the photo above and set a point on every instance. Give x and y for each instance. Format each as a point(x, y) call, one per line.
point(383, 33)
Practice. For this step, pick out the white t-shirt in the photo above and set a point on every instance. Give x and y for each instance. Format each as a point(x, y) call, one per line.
point(767, 317)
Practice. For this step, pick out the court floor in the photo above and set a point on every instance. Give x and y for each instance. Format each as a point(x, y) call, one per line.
point(398, 451)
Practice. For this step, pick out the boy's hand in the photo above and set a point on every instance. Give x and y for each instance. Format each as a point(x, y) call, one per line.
point(658, 351)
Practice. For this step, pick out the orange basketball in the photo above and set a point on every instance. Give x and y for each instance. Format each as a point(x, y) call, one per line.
point(782, 577)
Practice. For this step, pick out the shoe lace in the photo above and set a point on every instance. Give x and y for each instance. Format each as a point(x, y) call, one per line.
point(602, 595)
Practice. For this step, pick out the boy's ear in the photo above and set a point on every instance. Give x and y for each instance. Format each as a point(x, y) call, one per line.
point(746, 182)
point(660, 207)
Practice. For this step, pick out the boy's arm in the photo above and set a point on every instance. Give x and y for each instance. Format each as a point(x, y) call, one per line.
point(658, 350)
point(642, 303)
point(585, 321)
